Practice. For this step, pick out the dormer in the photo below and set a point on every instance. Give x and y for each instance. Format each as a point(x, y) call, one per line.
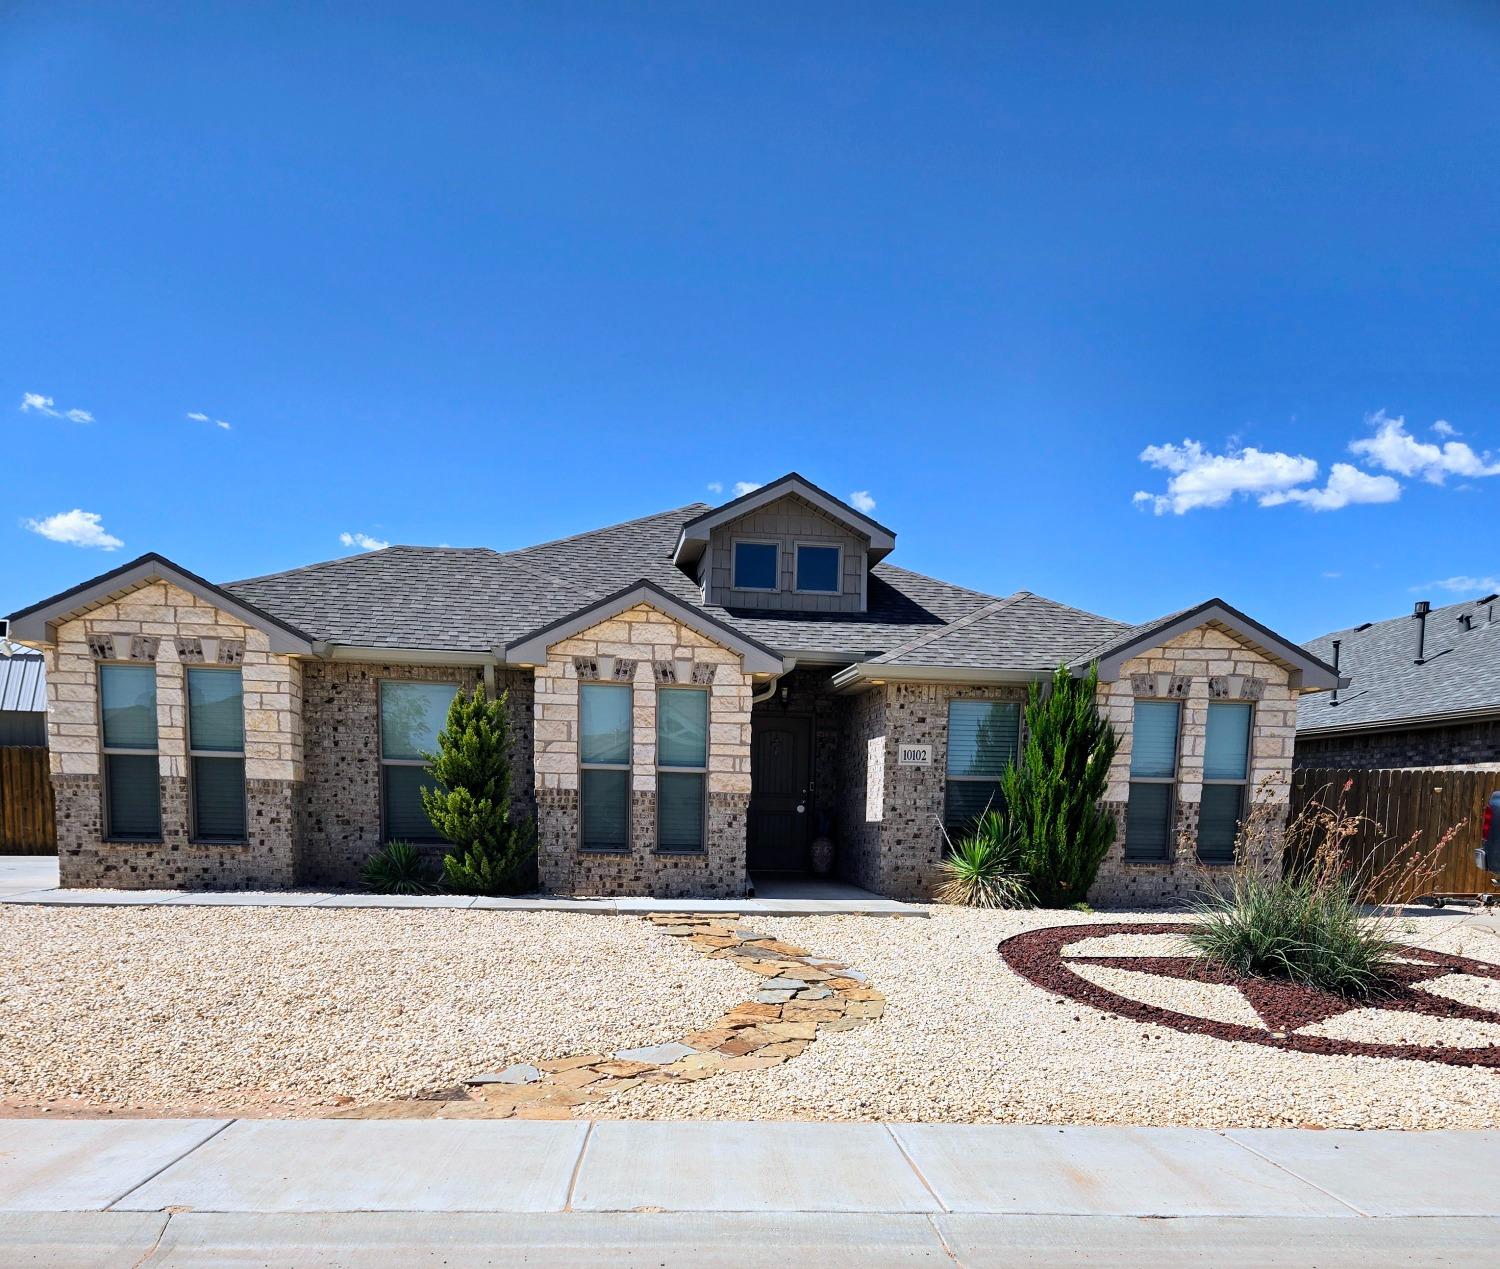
point(787, 546)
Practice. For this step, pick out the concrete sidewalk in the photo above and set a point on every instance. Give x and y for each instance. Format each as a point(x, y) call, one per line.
point(324, 1192)
point(31, 880)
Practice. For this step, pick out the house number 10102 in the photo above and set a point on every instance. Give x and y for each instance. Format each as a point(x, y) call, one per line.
point(914, 755)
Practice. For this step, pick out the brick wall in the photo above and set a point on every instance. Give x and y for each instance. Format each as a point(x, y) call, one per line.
point(646, 642)
point(1456, 745)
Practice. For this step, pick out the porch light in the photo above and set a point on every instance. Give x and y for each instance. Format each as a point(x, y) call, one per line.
point(606, 666)
point(210, 648)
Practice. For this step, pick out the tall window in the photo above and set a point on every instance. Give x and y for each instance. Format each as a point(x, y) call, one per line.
point(982, 741)
point(756, 565)
point(1226, 771)
point(411, 715)
point(216, 748)
point(1153, 771)
point(818, 569)
point(132, 791)
point(604, 716)
point(681, 767)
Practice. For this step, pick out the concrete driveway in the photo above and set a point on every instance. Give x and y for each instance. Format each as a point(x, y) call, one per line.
point(21, 874)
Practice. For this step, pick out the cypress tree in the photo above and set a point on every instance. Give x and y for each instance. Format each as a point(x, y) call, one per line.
point(1052, 792)
point(492, 851)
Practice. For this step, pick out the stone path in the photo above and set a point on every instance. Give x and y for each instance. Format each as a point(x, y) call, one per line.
point(801, 997)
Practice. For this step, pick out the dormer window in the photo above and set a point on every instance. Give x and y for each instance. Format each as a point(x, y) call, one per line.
point(818, 569)
point(756, 565)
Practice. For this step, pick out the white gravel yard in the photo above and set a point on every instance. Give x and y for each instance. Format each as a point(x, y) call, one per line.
point(288, 1009)
point(964, 1039)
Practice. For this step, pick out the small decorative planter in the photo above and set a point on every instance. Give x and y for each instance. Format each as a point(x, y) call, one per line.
point(822, 854)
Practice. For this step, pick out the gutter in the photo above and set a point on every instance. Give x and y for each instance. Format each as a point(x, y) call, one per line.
point(326, 651)
point(1478, 714)
point(871, 674)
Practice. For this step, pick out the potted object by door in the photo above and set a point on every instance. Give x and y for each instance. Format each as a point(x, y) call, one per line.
point(822, 848)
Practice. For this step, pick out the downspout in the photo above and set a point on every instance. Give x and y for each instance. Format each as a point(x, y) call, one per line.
point(788, 664)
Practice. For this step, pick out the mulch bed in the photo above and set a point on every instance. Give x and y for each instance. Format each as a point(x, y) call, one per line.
point(1038, 956)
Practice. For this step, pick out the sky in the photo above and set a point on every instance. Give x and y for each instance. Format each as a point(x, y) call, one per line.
point(1129, 306)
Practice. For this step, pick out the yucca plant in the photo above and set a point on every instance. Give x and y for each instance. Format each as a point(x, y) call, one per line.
point(984, 869)
point(398, 868)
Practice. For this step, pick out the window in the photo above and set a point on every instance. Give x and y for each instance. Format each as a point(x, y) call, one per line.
point(132, 791)
point(756, 565)
point(216, 750)
point(982, 741)
point(681, 767)
point(1226, 770)
point(818, 569)
point(1153, 769)
point(411, 715)
point(604, 711)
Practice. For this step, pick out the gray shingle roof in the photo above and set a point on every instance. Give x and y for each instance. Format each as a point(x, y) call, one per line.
point(471, 599)
point(1461, 673)
point(1022, 632)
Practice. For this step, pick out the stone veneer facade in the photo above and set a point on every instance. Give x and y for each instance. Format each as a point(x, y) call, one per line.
point(162, 625)
point(642, 639)
point(1187, 664)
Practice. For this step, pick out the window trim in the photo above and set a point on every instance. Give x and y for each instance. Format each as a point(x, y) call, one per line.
point(105, 750)
point(734, 565)
point(194, 837)
point(1169, 853)
point(626, 766)
point(707, 694)
point(1243, 782)
point(838, 571)
point(385, 762)
point(948, 776)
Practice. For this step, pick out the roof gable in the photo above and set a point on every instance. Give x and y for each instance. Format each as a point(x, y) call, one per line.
point(38, 623)
point(694, 537)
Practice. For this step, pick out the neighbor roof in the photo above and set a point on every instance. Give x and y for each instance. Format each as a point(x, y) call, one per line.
point(23, 679)
point(1459, 677)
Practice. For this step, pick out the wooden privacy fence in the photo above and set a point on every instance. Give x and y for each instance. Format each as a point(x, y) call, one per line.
point(27, 826)
point(1429, 800)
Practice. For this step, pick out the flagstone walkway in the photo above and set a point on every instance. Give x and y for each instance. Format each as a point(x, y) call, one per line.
point(801, 997)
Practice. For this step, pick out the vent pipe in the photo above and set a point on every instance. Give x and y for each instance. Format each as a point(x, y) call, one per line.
point(1419, 614)
point(1337, 643)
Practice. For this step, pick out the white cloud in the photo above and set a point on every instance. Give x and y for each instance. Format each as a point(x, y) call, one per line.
point(860, 500)
point(1331, 574)
point(1203, 479)
point(46, 405)
point(742, 487)
point(76, 528)
point(1444, 428)
point(715, 486)
point(1393, 448)
point(199, 417)
point(363, 540)
point(1346, 485)
point(1462, 585)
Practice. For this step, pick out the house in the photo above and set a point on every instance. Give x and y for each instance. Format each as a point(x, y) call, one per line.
point(1423, 691)
point(695, 696)
point(23, 695)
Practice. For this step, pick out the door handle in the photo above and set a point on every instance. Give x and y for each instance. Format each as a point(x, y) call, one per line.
point(801, 809)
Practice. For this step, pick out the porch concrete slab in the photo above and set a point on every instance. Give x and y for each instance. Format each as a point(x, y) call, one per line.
point(746, 1167)
point(509, 904)
point(372, 1166)
point(1434, 1173)
point(1001, 1242)
point(249, 898)
point(78, 1240)
point(558, 1240)
point(22, 873)
point(396, 901)
point(71, 1165)
point(1104, 1172)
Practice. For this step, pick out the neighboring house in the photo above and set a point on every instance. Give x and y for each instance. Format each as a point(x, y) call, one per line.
point(695, 696)
point(23, 695)
point(1423, 690)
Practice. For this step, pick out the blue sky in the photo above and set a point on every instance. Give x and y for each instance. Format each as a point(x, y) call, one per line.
point(1127, 305)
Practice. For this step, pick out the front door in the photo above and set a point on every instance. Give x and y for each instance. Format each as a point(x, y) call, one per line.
point(780, 781)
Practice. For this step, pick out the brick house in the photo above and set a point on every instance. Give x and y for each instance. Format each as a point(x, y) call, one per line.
point(696, 695)
point(1422, 691)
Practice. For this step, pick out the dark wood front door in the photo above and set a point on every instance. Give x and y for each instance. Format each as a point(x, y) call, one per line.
point(780, 782)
